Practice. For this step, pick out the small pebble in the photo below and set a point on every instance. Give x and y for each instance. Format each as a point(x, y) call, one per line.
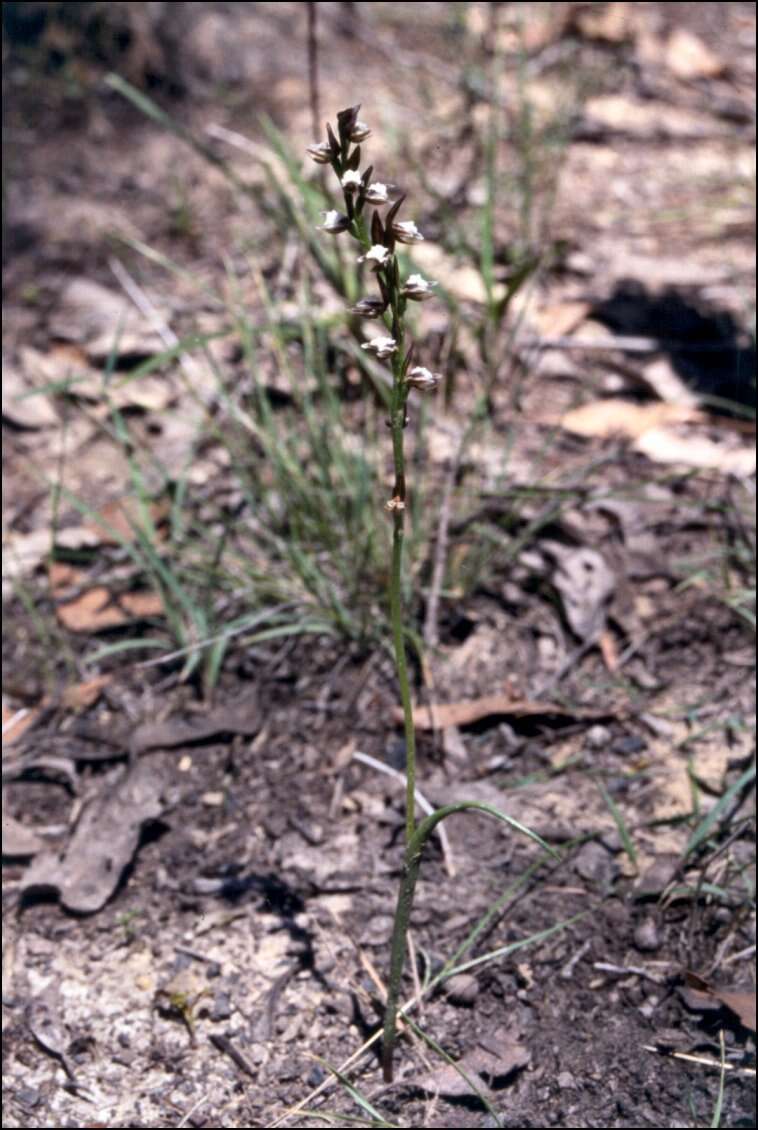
point(597, 737)
point(660, 873)
point(646, 936)
point(595, 864)
point(222, 1006)
point(462, 989)
point(28, 1097)
point(628, 744)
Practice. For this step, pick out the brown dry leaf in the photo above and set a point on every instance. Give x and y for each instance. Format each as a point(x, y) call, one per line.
point(629, 116)
point(493, 1059)
point(561, 318)
point(688, 57)
point(655, 430)
point(611, 23)
point(609, 651)
point(462, 281)
point(18, 840)
point(81, 695)
point(66, 363)
point(104, 841)
point(98, 609)
point(101, 320)
point(118, 520)
point(740, 1001)
point(64, 577)
point(547, 24)
point(21, 408)
point(693, 449)
point(616, 417)
point(43, 1018)
point(23, 553)
point(242, 718)
point(594, 333)
point(76, 697)
point(464, 713)
point(42, 763)
point(585, 583)
point(665, 382)
point(16, 722)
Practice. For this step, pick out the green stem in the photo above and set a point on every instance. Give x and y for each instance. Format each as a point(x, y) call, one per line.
point(397, 425)
point(397, 957)
point(411, 866)
point(396, 616)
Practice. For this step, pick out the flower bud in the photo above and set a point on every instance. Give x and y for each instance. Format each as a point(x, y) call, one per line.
point(320, 152)
point(347, 121)
point(422, 379)
point(377, 256)
point(351, 180)
point(381, 346)
point(405, 231)
point(359, 132)
point(369, 307)
point(418, 288)
point(334, 222)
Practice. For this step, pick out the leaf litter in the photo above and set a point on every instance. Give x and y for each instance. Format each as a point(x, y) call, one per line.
point(104, 840)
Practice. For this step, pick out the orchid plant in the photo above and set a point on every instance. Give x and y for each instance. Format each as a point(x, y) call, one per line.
point(378, 241)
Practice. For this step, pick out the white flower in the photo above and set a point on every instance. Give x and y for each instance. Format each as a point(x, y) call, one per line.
point(377, 193)
point(422, 379)
point(406, 232)
point(382, 346)
point(321, 152)
point(378, 254)
point(334, 222)
point(351, 180)
point(418, 288)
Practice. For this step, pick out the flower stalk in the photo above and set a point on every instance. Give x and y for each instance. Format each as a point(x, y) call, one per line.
point(378, 240)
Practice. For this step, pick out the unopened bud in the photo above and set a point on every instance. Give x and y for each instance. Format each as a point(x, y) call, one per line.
point(422, 379)
point(320, 152)
point(359, 132)
point(405, 231)
point(418, 288)
point(369, 307)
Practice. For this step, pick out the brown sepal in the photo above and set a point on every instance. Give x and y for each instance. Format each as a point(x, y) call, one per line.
point(408, 360)
point(383, 289)
point(334, 145)
point(377, 231)
point(394, 211)
point(346, 120)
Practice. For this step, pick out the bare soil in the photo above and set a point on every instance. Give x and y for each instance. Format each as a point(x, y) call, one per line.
point(242, 950)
